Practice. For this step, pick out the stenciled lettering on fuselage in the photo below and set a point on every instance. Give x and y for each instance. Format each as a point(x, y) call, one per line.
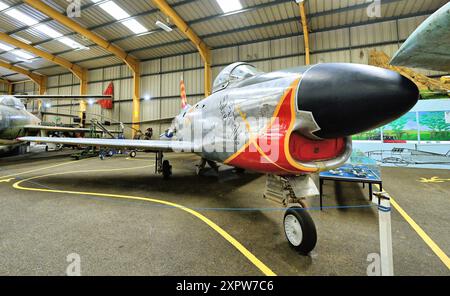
point(226, 121)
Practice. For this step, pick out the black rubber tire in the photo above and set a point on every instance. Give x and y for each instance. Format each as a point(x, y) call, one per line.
point(308, 227)
point(166, 169)
point(133, 154)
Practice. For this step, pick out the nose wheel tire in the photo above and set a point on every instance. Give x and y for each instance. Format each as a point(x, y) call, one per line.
point(166, 169)
point(300, 230)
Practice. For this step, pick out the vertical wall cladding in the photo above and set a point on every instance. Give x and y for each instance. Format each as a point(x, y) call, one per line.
point(150, 91)
point(194, 81)
point(126, 99)
point(168, 83)
point(254, 51)
point(287, 46)
point(374, 33)
point(95, 75)
point(172, 63)
point(93, 111)
point(30, 87)
point(150, 67)
point(408, 25)
point(64, 106)
point(342, 56)
point(3, 88)
point(67, 79)
point(19, 88)
point(323, 41)
point(225, 56)
point(26, 87)
point(112, 73)
point(160, 90)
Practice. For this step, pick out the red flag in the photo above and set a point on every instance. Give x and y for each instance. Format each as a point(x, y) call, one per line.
point(107, 103)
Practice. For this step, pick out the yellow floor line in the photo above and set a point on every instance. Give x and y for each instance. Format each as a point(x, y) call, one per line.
point(425, 237)
point(252, 258)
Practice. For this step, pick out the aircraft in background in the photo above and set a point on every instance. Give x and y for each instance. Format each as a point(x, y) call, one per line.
point(291, 123)
point(428, 47)
point(16, 121)
point(406, 156)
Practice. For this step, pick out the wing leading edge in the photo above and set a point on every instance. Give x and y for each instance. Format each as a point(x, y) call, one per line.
point(168, 146)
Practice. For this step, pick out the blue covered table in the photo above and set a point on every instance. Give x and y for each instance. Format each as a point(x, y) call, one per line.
point(359, 172)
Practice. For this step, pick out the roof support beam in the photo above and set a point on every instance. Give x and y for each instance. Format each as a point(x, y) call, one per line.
point(75, 69)
point(304, 21)
point(78, 71)
point(203, 49)
point(40, 80)
point(132, 63)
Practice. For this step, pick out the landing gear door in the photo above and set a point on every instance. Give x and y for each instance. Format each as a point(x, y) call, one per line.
point(304, 186)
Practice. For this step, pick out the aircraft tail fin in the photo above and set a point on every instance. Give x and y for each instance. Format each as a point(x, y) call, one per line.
point(184, 102)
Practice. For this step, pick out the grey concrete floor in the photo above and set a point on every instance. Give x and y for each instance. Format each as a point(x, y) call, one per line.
point(114, 236)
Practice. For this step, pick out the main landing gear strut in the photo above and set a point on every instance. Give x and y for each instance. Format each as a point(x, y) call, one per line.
point(298, 225)
point(162, 166)
point(201, 167)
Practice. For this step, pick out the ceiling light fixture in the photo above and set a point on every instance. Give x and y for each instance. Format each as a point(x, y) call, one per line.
point(114, 10)
point(22, 39)
point(48, 31)
point(6, 47)
point(163, 26)
point(134, 26)
point(72, 43)
point(229, 5)
point(3, 6)
point(22, 54)
point(119, 14)
point(21, 17)
point(44, 29)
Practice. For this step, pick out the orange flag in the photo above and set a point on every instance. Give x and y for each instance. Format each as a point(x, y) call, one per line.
point(184, 102)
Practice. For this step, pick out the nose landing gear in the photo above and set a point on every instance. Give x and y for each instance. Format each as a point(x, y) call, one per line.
point(298, 225)
point(300, 230)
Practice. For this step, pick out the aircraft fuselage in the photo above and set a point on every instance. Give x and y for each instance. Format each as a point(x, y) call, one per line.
point(295, 121)
point(12, 123)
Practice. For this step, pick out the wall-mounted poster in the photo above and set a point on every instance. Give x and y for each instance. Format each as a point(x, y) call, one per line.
point(434, 126)
point(420, 138)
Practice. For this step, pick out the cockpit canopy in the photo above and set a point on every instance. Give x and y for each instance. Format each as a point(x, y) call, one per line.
point(234, 73)
point(10, 101)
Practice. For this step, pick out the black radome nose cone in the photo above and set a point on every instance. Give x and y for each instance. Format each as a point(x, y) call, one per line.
point(347, 99)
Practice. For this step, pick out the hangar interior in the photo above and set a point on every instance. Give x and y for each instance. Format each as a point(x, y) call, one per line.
point(126, 220)
point(268, 34)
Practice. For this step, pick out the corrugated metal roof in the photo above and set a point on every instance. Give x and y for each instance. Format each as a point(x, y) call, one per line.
point(260, 19)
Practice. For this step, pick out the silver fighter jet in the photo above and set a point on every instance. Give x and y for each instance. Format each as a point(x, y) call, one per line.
point(290, 124)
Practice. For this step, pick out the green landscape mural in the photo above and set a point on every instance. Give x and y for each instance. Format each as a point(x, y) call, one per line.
point(413, 126)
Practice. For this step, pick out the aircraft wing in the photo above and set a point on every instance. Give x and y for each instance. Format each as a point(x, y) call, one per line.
point(63, 97)
point(428, 47)
point(61, 129)
point(161, 145)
